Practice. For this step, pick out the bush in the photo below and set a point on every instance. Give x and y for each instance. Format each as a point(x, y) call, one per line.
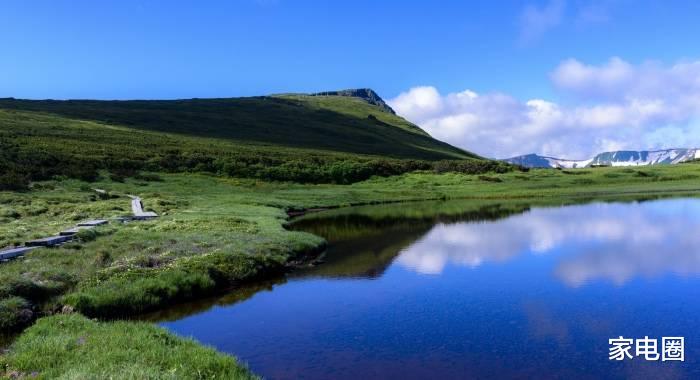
point(471, 166)
point(15, 312)
point(123, 296)
point(143, 289)
point(31, 163)
point(150, 177)
point(14, 181)
point(640, 173)
point(489, 179)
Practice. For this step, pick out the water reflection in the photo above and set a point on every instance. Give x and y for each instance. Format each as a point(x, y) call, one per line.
point(477, 289)
point(226, 299)
point(366, 240)
point(601, 241)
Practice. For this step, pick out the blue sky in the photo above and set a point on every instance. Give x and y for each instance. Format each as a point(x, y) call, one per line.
point(182, 49)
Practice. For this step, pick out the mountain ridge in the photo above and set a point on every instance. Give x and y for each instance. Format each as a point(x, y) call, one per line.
point(612, 158)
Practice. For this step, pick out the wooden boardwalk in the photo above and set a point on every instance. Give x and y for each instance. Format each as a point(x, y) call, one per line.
point(74, 230)
point(14, 252)
point(48, 241)
point(137, 209)
point(93, 223)
point(69, 234)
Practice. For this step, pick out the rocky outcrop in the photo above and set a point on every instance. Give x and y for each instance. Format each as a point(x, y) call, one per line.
point(366, 94)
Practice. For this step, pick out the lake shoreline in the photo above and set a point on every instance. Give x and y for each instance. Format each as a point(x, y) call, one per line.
point(128, 286)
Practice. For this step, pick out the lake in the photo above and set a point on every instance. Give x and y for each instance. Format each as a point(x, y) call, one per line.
point(471, 290)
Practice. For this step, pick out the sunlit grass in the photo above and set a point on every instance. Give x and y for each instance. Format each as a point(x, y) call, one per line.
point(215, 232)
point(74, 347)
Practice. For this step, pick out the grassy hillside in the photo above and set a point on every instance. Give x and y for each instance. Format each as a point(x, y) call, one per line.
point(336, 123)
point(321, 139)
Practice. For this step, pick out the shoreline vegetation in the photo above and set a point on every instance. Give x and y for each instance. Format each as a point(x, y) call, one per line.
point(74, 347)
point(225, 176)
point(217, 233)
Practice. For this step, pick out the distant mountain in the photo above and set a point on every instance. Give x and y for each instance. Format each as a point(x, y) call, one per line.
point(537, 161)
point(616, 158)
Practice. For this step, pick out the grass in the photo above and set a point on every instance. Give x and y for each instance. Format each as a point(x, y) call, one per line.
point(308, 139)
point(218, 232)
point(334, 123)
point(74, 347)
point(204, 240)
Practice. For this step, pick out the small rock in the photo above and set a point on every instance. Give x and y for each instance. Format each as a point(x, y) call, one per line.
point(67, 309)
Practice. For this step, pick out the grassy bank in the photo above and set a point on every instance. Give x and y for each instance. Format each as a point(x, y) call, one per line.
point(74, 347)
point(217, 232)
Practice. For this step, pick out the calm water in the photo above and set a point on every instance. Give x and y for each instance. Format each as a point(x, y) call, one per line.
point(460, 290)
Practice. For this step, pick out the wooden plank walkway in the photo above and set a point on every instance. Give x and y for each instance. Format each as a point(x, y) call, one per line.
point(14, 252)
point(137, 209)
point(48, 241)
point(69, 234)
point(93, 223)
point(74, 230)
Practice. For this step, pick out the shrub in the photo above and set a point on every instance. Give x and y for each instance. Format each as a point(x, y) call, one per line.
point(150, 177)
point(490, 179)
point(132, 294)
point(640, 173)
point(15, 312)
point(14, 181)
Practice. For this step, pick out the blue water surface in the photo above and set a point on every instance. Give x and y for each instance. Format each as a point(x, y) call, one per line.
point(496, 292)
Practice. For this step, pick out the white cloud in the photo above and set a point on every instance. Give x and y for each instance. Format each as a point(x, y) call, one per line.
point(602, 242)
point(616, 105)
point(620, 80)
point(586, 79)
point(536, 21)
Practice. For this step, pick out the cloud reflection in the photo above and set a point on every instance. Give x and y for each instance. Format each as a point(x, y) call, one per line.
point(613, 242)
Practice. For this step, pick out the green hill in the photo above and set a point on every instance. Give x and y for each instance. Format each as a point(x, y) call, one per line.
point(337, 123)
point(343, 137)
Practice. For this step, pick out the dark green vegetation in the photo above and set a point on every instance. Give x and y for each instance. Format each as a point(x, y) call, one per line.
point(301, 138)
point(73, 347)
point(217, 232)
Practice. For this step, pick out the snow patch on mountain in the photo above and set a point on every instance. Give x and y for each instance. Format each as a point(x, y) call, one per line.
point(616, 158)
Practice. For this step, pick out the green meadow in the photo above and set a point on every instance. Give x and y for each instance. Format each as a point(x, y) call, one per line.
point(216, 233)
point(223, 175)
